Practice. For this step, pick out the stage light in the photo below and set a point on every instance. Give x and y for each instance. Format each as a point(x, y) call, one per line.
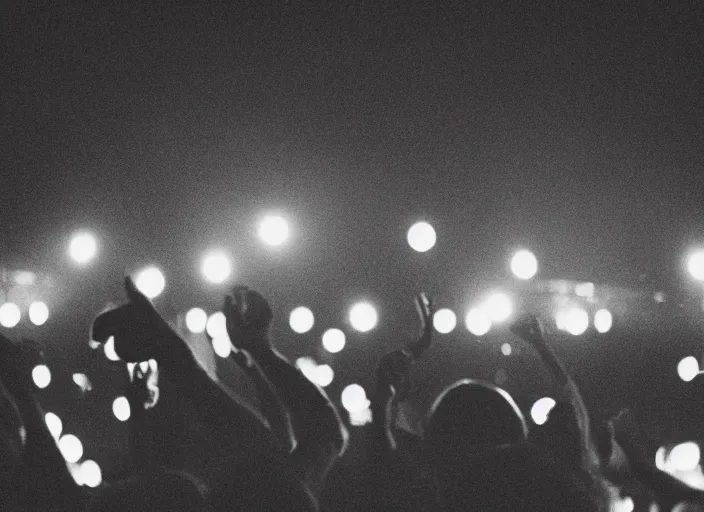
point(498, 307)
point(625, 504)
point(217, 325)
point(273, 230)
point(10, 315)
point(585, 290)
point(421, 237)
point(506, 349)
point(354, 398)
point(573, 320)
point(196, 320)
point(603, 320)
point(82, 381)
point(222, 346)
point(695, 265)
point(688, 368)
point(524, 264)
point(308, 366)
point(38, 313)
point(540, 410)
point(324, 375)
point(41, 376)
point(150, 282)
point(90, 473)
point(301, 320)
point(333, 340)
point(82, 248)
point(363, 317)
point(121, 408)
point(71, 448)
point(216, 267)
point(109, 349)
point(684, 457)
point(477, 322)
point(444, 321)
point(54, 424)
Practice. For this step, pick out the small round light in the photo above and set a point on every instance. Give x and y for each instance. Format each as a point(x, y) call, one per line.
point(333, 340)
point(217, 325)
point(540, 410)
point(684, 457)
point(301, 320)
point(216, 267)
point(150, 282)
point(82, 248)
point(10, 315)
point(444, 321)
point(695, 265)
point(273, 230)
point(603, 320)
point(506, 349)
point(574, 320)
point(196, 320)
point(688, 368)
point(71, 448)
point(121, 408)
point(363, 317)
point(109, 349)
point(477, 322)
point(41, 376)
point(354, 398)
point(324, 375)
point(222, 346)
point(498, 307)
point(54, 424)
point(421, 237)
point(524, 264)
point(38, 313)
point(90, 473)
point(82, 381)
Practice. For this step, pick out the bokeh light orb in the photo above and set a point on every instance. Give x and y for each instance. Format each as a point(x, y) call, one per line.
point(222, 346)
point(477, 322)
point(38, 313)
point(216, 267)
point(41, 376)
point(684, 457)
point(354, 398)
point(444, 321)
point(524, 264)
point(109, 349)
point(363, 317)
point(308, 366)
point(324, 375)
point(71, 448)
point(54, 424)
point(603, 320)
point(90, 472)
point(196, 320)
point(216, 325)
point(695, 265)
point(421, 237)
point(273, 230)
point(82, 248)
point(540, 410)
point(334, 340)
point(574, 320)
point(121, 408)
point(10, 315)
point(498, 307)
point(301, 320)
point(506, 349)
point(688, 368)
point(150, 282)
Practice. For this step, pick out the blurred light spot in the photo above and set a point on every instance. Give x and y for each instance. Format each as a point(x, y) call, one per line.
point(363, 317)
point(506, 349)
point(301, 320)
point(623, 504)
point(71, 448)
point(150, 282)
point(82, 381)
point(540, 410)
point(54, 424)
point(660, 461)
point(121, 408)
point(361, 417)
point(324, 375)
point(94, 344)
point(82, 248)
point(10, 315)
point(421, 237)
point(25, 278)
point(585, 290)
point(308, 366)
point(217, 325)
point(659, 297)
point(273, 230)
point(109, 349)
point(603, 320)
point(216, 267)
point(38, 313)
point(444, 321)
point(196, 320)
point(222, 346)
point(695, 265)
point(91, 474)
point(354, 398)
point(333, 340)
point(41, 376)
point(478, 322)
point(688, 368)
point(684, 457)
point(498, 307)
point(574, 320)
point(524, 264)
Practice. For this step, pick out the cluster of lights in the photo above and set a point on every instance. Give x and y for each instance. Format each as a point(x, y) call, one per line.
point(88, 472)
point(497, 308)
point(575, 320)
point(10, 314)
point(683, 457)
point(322, 374)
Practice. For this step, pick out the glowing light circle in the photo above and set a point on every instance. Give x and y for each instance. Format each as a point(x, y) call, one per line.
point(82, 248)
point(41, 376)
point(603, 320)
point(216, 267)
point(444, 321)
point(273, 230)
point(524, 264)
point(71, 448)
point(217, 325)
point(10, 315)
point(477, 322)
point(498, 307)
point(222, 346)
point(196, 320)
point(684, 457)
point(363, 317)
point(90, 472)
point(354, 398)
point(54, 424)
point(334, 340)
point(421, 237)
point(688, 368)
point(695, 265)
point(38, 313)
point(301, 320)
point(150, 282)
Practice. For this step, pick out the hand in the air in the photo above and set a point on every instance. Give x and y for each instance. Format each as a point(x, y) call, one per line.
point(248, 319)
point(394, 372)
point(529, 328)
point(426, 309)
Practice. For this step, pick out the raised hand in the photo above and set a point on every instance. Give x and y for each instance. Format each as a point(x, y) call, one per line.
point(393, 372)
point(529, 328)
point(426, 309)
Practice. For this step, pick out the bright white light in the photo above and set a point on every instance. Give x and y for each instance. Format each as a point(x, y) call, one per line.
point(363, 317)
point(217, 325)
point(444, 321)
point(71, 448)
point(216, 267)
point(603, 320)
point(498, 307)
point(308, 367)
point(540, 410)
point(506, 349)
point(524, 264)
point(82, 381)
point(222, 346)
point(121, 408)
point(574, 320)
point(109, 349)
point(421, 237)
point(684, 457)
point(41, 376)
point(301, 320)
point(695, 265)
point(688, 368)
point(477, 322)
point(585, 290)
point(361, 417)
point(273, 230)
point(150, 282)
point(324, 375)
point(196, 320)
point(90, 473)
point(82, 248)
point(38, 313)
point(10, 315)
point(354, 398)
point(54, 424)
point(623, 505)
point(333, 340)
point(660, 461)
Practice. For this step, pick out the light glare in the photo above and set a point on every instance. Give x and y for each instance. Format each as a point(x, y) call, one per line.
point(273, 230)
point(498, 307)
point(301, 320)
point(82, 381)
point(196, 320)
point(324, 375)
point(217, 325)
point(684, 457)
point(121, 408)
point(222, 346)
point(333, 340)
point(90, 473)
point(38, 313)
point(10, 315)
point(506, 349)
point(603, 320)
point(421, 237)
point(540, 410)
point(150, 282)
point(54, 424)
point(444, 321)
point(477, 322)
point(688, 368)
point(363, 317)
point(71, 448)
point(41, 376)
point(524, 264)
point(695, 265)
point(216, 267)
point(82, 248)
point(574, 320)
point(354, 398)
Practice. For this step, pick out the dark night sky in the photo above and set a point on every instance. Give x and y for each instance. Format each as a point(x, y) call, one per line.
point(577, 130)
